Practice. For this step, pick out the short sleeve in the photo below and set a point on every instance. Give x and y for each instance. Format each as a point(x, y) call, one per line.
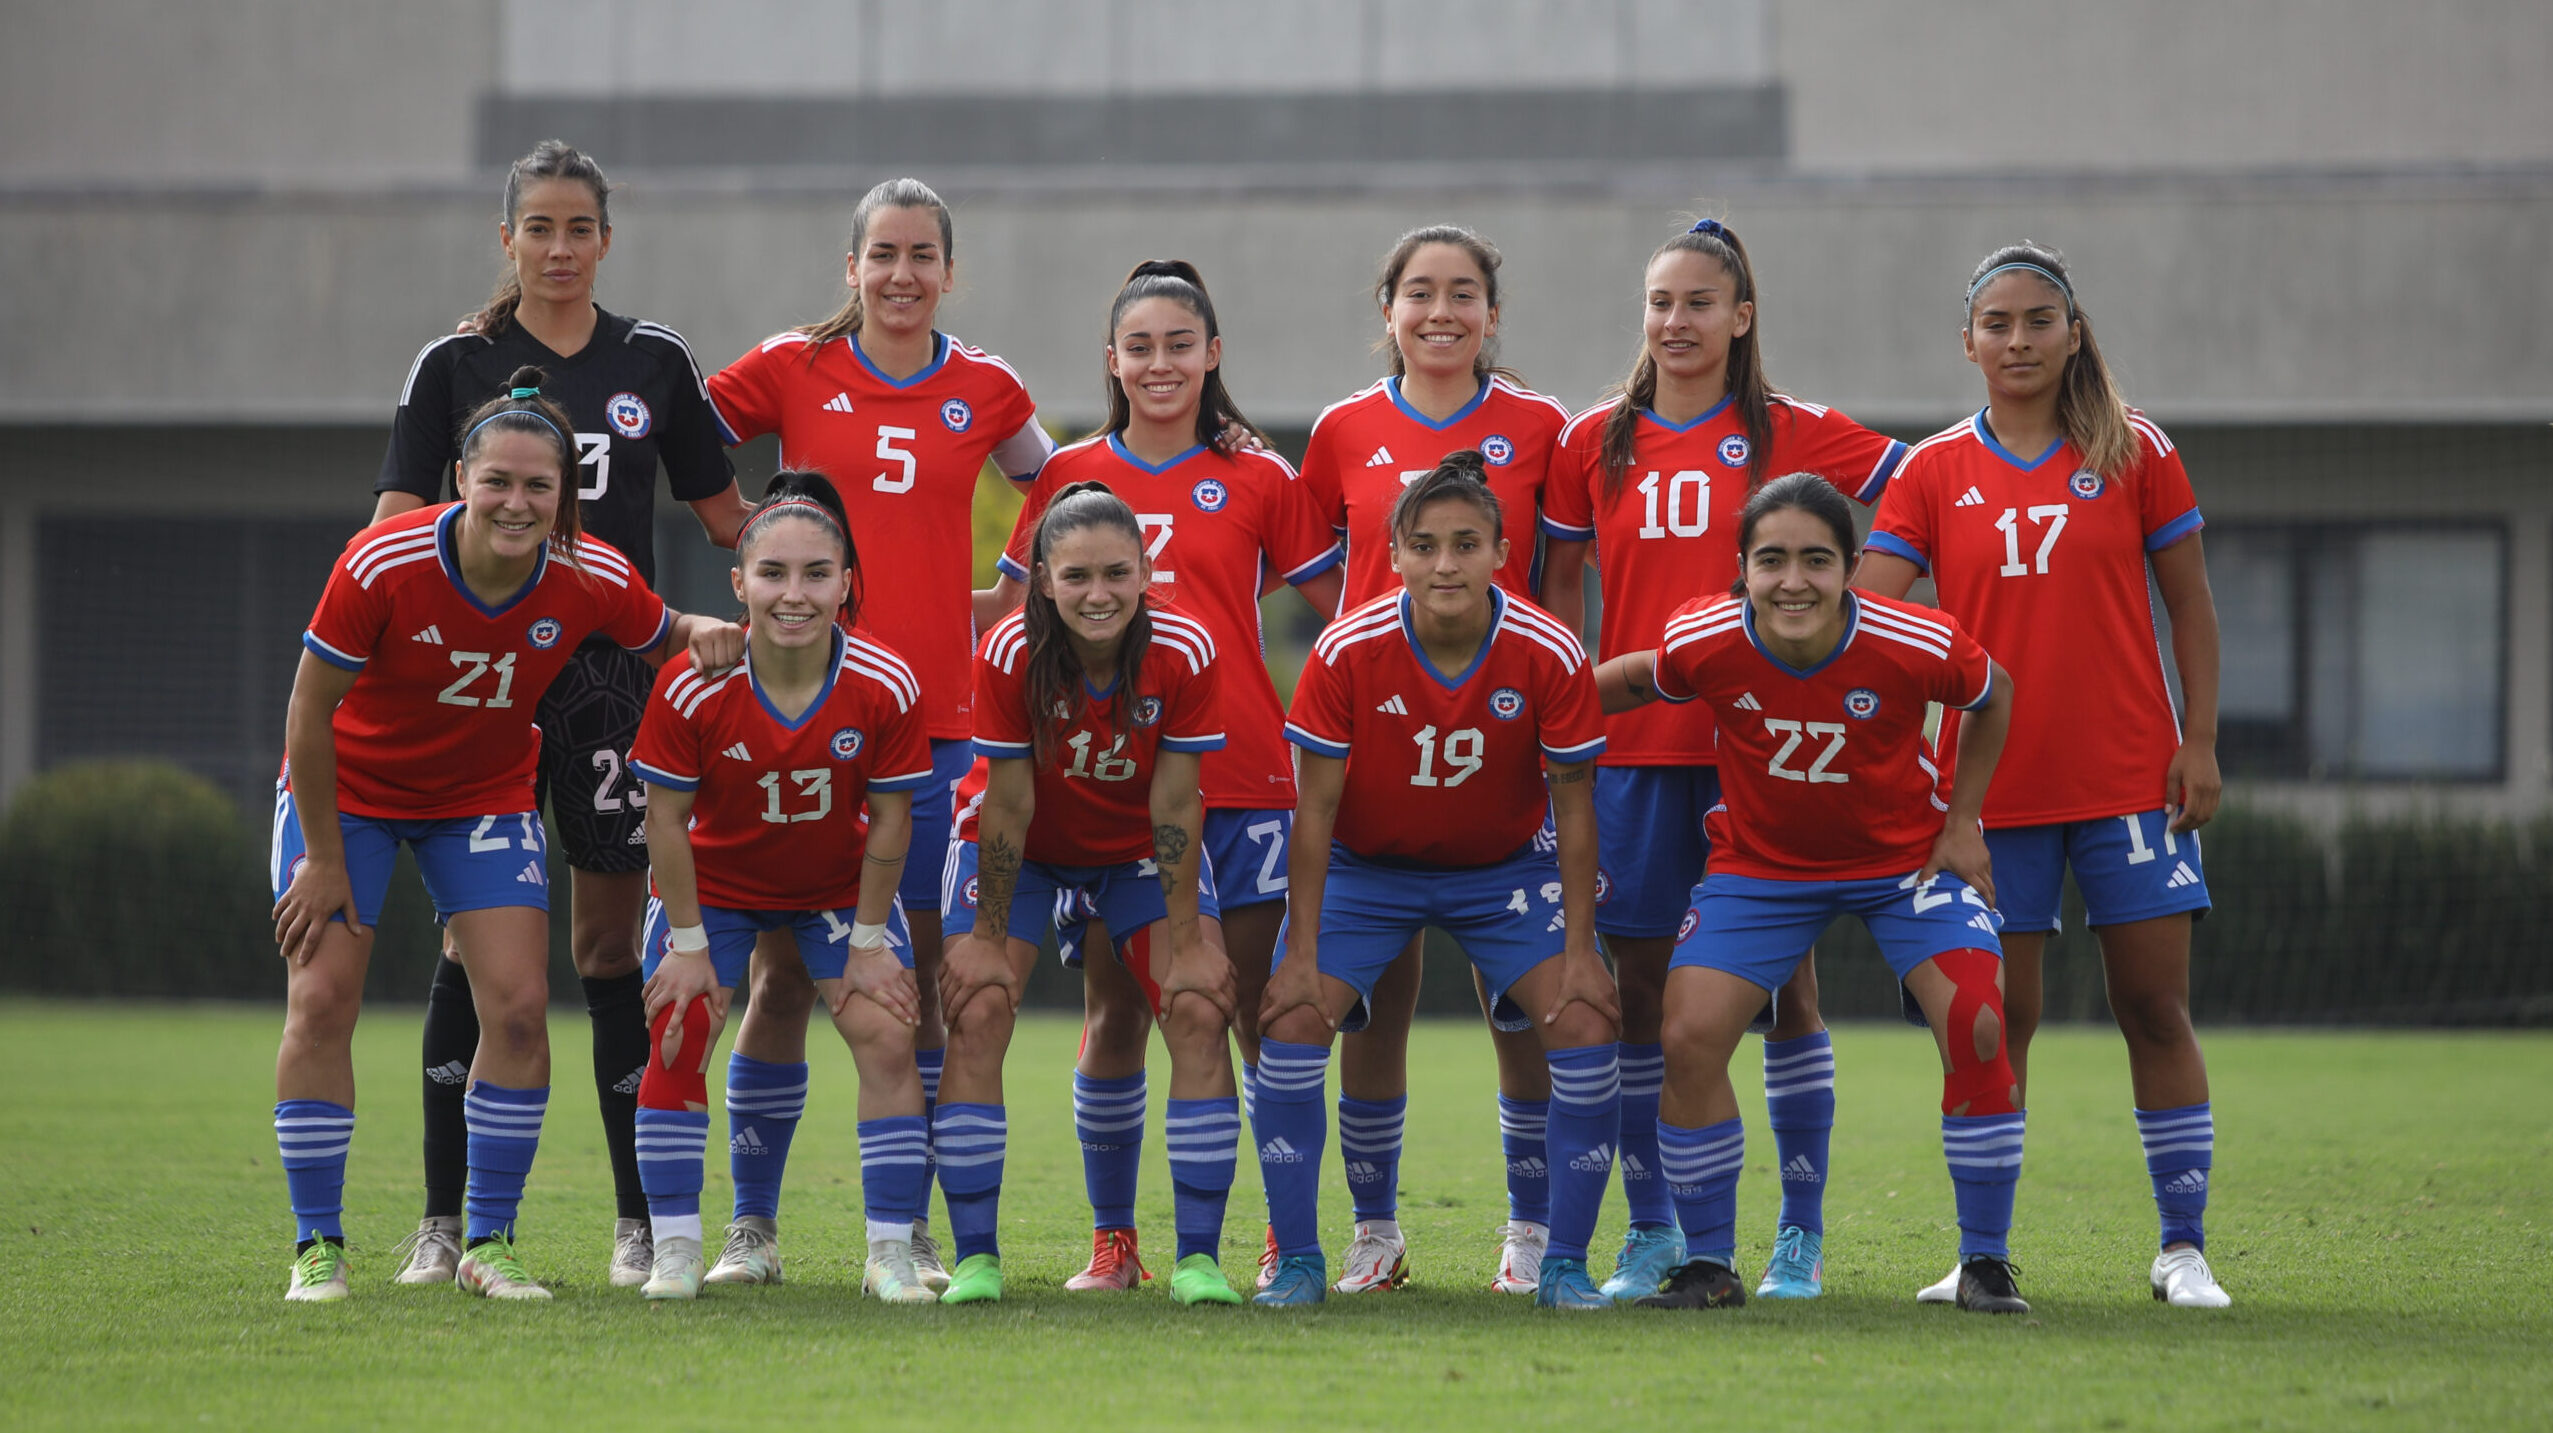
point(1320, 721)
point(422, 443)
point(2168, 507)
point(1964, 679)
point(667, 751)
point(1903, 526)
point(1193, 719)
point(350, 617)
point(693, 445)
point(1568, 496)
point(1572, 718)
point(1856, 460)
point(1001, 709)
point(744, 396)
point(1013, 563)
point(638, 619)
point(1676, 668)
point(1299, 545)
point(900, 756)
point(1323, 486)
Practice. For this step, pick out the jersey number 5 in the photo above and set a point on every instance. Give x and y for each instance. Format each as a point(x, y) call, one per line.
point(1792, 734)
point(889, 453)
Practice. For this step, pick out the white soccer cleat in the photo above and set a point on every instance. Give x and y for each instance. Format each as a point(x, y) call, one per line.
point(432, 1255)
point(1945, 1292)
point(1520, 1256)
point(319, 1274)
point(676, 1270)
point(493, 1270)
point(633, 1253)
point(752, 1253)
point(892, 1277)
point(2182, 1279)
point(1374, 1261)
point(926, 1258)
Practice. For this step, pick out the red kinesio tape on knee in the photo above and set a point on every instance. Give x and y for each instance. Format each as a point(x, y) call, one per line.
point(677, 1064)
point(1974, 1086)
point(1135, 953)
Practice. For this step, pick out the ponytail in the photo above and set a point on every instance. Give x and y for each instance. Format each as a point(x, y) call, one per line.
point(1744, 372)
point(525, 410)
point(2089, 409)
point(1058, 687)
point(1178, 281)
point(549, 159)
point(906, 193)
point(1462, 475)
point(806, 496)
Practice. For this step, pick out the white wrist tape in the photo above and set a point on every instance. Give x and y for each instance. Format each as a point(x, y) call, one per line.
point(688, 939)
point(865, 935)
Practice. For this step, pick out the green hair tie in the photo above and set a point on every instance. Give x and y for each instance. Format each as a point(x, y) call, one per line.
point(527, 393)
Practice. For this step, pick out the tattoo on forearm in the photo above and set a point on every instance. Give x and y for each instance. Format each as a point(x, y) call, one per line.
point(997, 875)
point(1169, 846)
point(1569, 778)
point(873, 858)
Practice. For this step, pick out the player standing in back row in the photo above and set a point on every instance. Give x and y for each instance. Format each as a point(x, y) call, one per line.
point(636, 400)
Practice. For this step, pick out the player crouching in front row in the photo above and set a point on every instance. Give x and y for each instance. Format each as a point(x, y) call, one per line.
point(1830, 807)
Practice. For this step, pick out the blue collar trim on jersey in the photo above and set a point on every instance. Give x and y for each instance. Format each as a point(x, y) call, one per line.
point(832, 673)
point(447, 550)
point(1409, 633)
point(1117, 445)
point(1393, 387)
point(1986, 436)
point(939, 356)
point(1852, 624)
point(1715, 411)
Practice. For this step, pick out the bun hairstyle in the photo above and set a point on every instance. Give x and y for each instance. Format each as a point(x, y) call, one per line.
point(905, 193)
point(1464, 475)
point(1805, 492)
point(1745, 368)
point(800, 495)
point(1178, 281)
point(1388, 283)
point(549, 159)
point(525, 410)
point(2089, 407)
point(1058, 691)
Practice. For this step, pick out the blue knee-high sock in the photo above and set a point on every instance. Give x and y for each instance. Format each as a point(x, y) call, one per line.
point(1644, 1070)
point(894, 1161)
point(1249, 1090)
point(1984, 1154)
point(1109, 1116)
point(764, 1103)
point(313, 1136)
point(1521, 1129)
point(505, 1132)
point(1204, 1137)
point(929, 1062)
point(1290, 1132)
point(2180, 1150)
point(972, 1140)
point(672, 1147)
point(1701, 1168)
point(1370, 1146)
point(1585, 1124)
point(1799, 1100)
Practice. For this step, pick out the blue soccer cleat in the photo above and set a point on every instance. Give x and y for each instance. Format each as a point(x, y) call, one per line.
point(1301, 1279)
point(1564, 1284)
point(1647, 1257)
point(1797, 1269)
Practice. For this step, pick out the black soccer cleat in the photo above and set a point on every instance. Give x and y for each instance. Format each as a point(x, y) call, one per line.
point(1697, 1284)
point(1988, 1286)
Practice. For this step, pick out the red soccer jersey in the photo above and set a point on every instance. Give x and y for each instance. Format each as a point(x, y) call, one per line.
point(439, 723)
point(1670, 532)
point(2046, 561)
point(1222, 530)
point(1824, 774)
point(1094, 793)
point(1365, 449)
point(776, 821)
point(905, 456)
point(1445, 771)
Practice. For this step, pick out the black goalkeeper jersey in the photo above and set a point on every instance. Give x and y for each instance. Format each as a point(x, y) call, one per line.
point(633, 392)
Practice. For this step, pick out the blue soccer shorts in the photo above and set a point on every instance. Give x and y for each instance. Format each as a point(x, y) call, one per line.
point(1126, 897)
point(1650, 845)
point(824, 938)
point(2130, 868)
point(934, 815)
point(1246, 851)
point(1506, 916)
point(1759, 930)
point(470, 863)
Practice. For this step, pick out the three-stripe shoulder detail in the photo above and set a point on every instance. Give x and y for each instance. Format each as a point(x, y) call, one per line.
point(648, 328)
point(1518, 390)
point(1535, 625)
point(1898, 626)
point(409, 388)
point(397, 550)
point(884, 667)
point(2153, 433)
point(1361, 624)
point(1186, 636)
point(1359, 396)
point(1004, 644)
point(686, 693)
point(1602, 411)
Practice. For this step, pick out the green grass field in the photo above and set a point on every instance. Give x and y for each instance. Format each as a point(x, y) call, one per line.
point(2382, 1213)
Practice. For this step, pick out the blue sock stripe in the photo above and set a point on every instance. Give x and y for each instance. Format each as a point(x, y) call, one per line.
point(1526, 1118)
point(768, 1104)
point(1204, 1132)
point(1249, 1088)
point(1289, 1071)
point(1587, 1077)
point(1644, 1069)
point(1690, 1155)
point(1982, 1141)
point(930, 1063)
point(970, 1136)
point(895, 1162)
point(305, 1139)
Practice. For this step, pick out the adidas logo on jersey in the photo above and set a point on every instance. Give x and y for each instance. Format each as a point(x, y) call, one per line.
point(748, 1142)
point(628, 1084)
point(1382, 458)
point(1801, 1170)
point(2182, 875)
point(1279, 1151)
point(2188, 1181)
point(838, 403)
point(533, 875)
point(1969, 499)
point(1363, 1171)
point(1395, 706)
point(458, 1072)
point(1595, 1161)
point(1529, 1167)
point(738, 752)
point(1748, 703)
point(428, 635)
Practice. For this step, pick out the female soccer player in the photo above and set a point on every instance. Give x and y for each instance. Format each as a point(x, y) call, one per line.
point(1655, 478)
point(411, 722)
point(904, 417)
point(1426, 720)
point(1093, 704)
point(1438, 295)
point(635, 399)
point(1820, 697)
point(757, 780)
point(1225, 523)
point(2046, 556)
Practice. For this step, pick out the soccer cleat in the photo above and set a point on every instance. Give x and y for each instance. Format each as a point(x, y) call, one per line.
point(1520, 1256)
point(1988, 1286)
point(926, 1258)
point(432, 1254)
point(1797, 1269)
point(1114, 1264)
point(891, 1276)
point(1647, 1255)
point(492, 1269)
point(752, 1253)
point(1373, 1261)
point(2183, 1280)
point(1945, 1292)
point(1268, 1260)
point(319, 1274)
point(633, 1254)
point(674, 1270)
point(1563, 1284)
point(1199, 1280)
point(978, 1280)
point(1302, 1279)
point(1697, 1284)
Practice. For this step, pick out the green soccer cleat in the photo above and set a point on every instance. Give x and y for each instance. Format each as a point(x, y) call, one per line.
point(977, 1280)
point(319, 1274)
point(1199, 1280)
point(493, 1270)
